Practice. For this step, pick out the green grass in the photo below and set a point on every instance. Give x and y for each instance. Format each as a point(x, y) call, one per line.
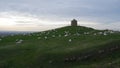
point(52, 52)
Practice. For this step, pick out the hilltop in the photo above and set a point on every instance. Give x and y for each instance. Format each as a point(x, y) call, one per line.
point(66, 47)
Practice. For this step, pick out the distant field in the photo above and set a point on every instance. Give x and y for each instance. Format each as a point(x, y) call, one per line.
point(67, 47)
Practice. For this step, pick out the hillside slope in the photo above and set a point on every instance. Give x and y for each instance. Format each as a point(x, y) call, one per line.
point(67, 47)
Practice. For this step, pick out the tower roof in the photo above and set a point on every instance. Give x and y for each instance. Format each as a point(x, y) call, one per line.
point(74, 20)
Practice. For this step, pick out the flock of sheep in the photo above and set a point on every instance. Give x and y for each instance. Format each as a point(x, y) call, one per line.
point(64, 34)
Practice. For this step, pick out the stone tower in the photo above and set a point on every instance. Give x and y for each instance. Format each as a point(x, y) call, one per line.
point(74, 22)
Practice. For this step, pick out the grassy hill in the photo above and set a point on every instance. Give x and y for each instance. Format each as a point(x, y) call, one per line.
point(66, 47)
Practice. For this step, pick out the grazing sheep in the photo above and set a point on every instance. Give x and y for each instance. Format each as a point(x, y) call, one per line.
point(66, 35)
point(70, 40)
point(111, 32)
point(87, 33)
point(100, 33)
point(39, 37)
point(46, 37)
point(53, 35)
point(59, 35)
point(77, 34)
point(19, 42)
point(66, 32)
point(105, 33)
point(95, 34)
point(84, 32)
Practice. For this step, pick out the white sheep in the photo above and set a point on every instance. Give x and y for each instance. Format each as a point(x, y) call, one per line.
point(95, 34)
point(59, 35)
point(111, 32)
point(66, 35)
point(77, 34)
point(46, 37)
point(85, 32)
point(70, 40)
point(53, 35)
point(39, 37)
point(19, 42)
point(100, 33)
point(104, 33)
point(65, 31)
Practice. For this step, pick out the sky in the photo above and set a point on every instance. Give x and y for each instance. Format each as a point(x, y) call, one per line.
point(40, 15)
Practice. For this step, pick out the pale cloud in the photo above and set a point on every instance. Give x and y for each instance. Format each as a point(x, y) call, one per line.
point(44, 14)
point(15, 21)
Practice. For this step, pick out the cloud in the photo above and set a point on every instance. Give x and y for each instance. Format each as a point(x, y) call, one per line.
point(97, 13)
point(16, 21)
